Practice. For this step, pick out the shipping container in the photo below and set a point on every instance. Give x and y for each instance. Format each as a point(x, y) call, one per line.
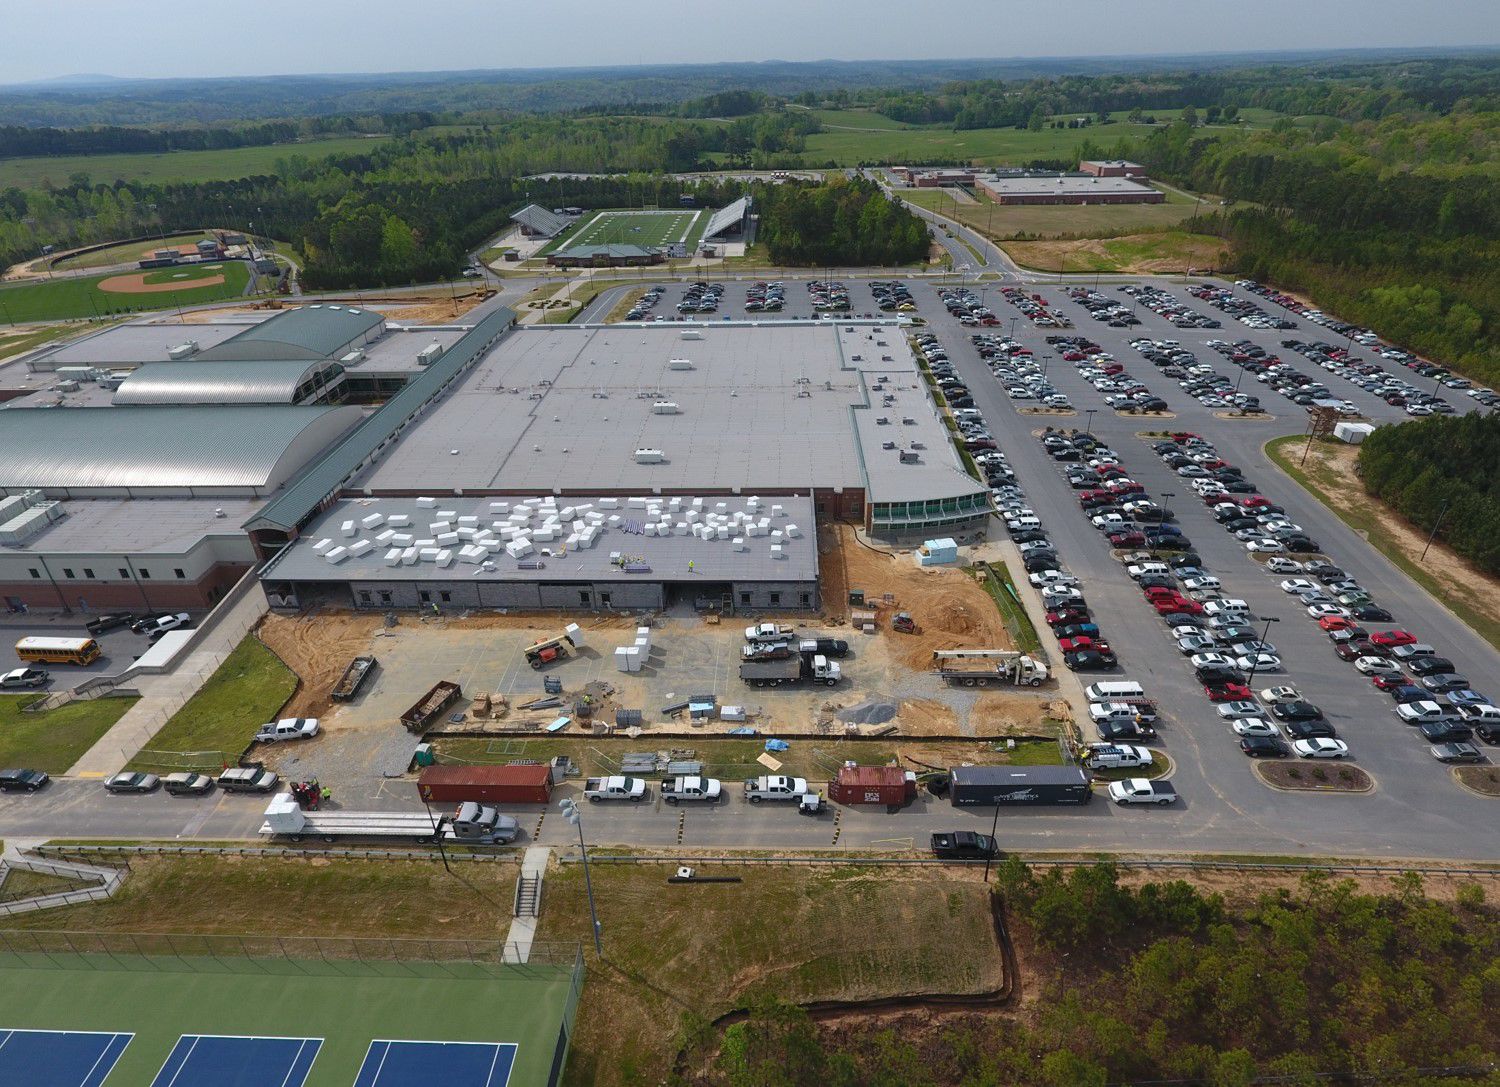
point(529, 783)
point(888, 785)
point(971, 786)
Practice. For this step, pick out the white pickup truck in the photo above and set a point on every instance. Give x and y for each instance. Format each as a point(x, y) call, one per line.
point(615, 787)
point(288, 728)
point(1142, 791)
point(775, 787)
point(674, 790)
point(769, 632)
point(1116, 756)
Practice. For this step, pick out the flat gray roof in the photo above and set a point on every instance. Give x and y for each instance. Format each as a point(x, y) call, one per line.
point(396, 351)
point(772, 405)
point(139, 526)
point(667, 556)
point(1069, 184)
point(136, 344)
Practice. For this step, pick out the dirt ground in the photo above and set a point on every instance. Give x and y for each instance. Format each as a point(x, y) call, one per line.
point(1331, 464)
point(1206, 253)
point(429, 311)
point(135, 283)
point(951, 609)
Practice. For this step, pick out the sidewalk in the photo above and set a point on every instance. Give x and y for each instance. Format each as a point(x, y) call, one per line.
point(162, 695)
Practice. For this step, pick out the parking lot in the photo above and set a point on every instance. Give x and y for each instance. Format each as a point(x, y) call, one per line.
point(1211, 770)
point(120, 648)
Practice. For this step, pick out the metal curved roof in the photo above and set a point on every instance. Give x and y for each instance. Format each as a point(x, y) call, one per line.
point(200, 447)
point(270, 382)
point(541, 221)
point(727, 217)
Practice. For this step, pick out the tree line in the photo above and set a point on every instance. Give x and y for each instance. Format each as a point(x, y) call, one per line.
point(1162, 983)
point(1440, 473)
point(842, 222)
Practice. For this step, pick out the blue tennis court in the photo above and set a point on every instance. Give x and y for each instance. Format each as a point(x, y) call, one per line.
point(209, 1060)
point(59, 1058)
point(453, 1064)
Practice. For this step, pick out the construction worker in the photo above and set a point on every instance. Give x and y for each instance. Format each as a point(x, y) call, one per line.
point(690, 566)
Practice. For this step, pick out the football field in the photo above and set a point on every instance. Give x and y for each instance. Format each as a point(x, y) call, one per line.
point(649, 229)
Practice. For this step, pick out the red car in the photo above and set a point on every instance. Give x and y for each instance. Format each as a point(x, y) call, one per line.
point(1330, 623)
point(1127, 539)
point(1392, 638)
point(1227, 692)
point(1180, 606)
point(1160, 592)
point(1063, 616)
point(1254, 501)
point(1385, 682)
point(1082, 642)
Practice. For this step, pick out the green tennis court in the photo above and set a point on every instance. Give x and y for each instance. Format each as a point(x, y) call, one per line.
point(123, 1019)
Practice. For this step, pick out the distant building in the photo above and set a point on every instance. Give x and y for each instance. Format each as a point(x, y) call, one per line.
point(537, 222)
point(928, 178)
point(1112, 168)
point(1069, 189)
point(605, 256)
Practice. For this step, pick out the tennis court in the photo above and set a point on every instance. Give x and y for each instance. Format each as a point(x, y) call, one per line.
point(241, 1017)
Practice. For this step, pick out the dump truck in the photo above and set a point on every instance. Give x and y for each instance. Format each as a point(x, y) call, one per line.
point(677, 789)
point(470, 823)
point(542, 653)
point(982, 667)
point(769, 632)
point(774, 673)
point(775, 787)
point(615, 787)
point(431, 705)
point(353, 679)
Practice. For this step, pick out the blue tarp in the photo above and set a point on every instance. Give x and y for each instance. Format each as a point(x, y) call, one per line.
point(777, 745)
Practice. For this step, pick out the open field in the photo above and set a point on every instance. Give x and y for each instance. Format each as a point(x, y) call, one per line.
point(223, 165)
point(634, 227)
point(1329, 474)
point(1166, 251)
point(1004, 221)
point(246, 691)
point(88, 296)
point(13, 342)
point(53, 741)
point(890, 143)
point(679, 955)
point(131, 251)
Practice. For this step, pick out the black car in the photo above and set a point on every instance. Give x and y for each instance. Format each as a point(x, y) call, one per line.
point(103, 624)
point(964, 844)
point(1443, 682)
point(1446, 732)
point(1214, 674)
point(1089, 660)
point(1371, 614)
point(1429, 666)
point(1307, 730)
point(1296, 711)
point(1488, 732)
point(22, 781)
point(1262, 747)
point(1407, 693)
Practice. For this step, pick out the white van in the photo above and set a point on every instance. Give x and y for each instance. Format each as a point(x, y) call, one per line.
point(1148, 569)
point(1232, 606)
point(1114, 690)
point(1413, 651)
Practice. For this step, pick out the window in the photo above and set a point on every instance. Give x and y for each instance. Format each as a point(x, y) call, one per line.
point(585, 597)
point(145, 574)
point(604, 600)
point(385, 596)
point(744, 600)
point(124, 574)
point(179, 573)
point(35, 572)
point(446, 598)
point(88, 573)
point(775, 599)
point(364, 597)
point(68, 573)
point(425, 596)
point(807, 600)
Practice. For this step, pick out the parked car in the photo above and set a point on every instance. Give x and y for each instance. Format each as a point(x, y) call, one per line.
point(131, 782)
point(1262, 747)
point(22, 781)
point(186, 784)
point(24, 678)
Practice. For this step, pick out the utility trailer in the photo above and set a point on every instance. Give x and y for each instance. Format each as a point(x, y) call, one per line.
point(353, 679)
point(431, 705)
point(982, 667)
point(471, 823)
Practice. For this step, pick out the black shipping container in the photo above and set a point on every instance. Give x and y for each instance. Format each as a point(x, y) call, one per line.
point(984, 786)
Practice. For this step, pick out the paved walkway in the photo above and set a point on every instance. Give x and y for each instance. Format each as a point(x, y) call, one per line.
point(162, 695)
point(523, 929)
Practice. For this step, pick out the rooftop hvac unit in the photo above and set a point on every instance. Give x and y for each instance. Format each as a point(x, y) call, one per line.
point(429, 354)
point(353, 358)
point(680, 364)
point(20, 529)
point(909, 458)
point(665, 407)
point(691, 334)
point(183, 350)
point(67, 385)
point(649, 456)
point(74, 373)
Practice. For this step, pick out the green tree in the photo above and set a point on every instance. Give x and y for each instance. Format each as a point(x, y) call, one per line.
point(398, 245)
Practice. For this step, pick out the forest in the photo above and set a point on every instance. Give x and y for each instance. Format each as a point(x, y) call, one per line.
point(18, 141)
point(841, 222)
point(1440, 472)
point(1165, 984)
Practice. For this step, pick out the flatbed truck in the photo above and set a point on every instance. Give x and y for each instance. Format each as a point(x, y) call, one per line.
point(774, 673)
point(471, 823)
point(983, 667)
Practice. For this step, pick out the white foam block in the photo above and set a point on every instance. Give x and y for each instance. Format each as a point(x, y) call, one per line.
point(322, 546)
point(398, 520)
point(427, 503)
point(337, 555)
point(361, 547)
point(347, 528)
point(393, 557)
point(372, 520)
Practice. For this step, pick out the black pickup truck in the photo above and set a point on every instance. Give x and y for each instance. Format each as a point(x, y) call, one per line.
point(964, 845)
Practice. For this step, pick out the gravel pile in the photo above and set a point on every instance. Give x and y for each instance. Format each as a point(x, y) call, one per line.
point(873, 711)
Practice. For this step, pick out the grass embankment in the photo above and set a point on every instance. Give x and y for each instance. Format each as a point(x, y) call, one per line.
point(219, 165)
point(70, 297)
point(14, 343)
point(996, 579)
point(677, 956)
point(1164, 251)
point(1328, 475)
point(129, 252)
point(245, 692)
point(53, 741)
point(22, 883)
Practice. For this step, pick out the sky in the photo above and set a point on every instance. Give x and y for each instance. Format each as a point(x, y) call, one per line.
point(44, 39)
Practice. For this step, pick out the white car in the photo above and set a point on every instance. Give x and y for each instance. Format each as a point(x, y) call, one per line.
point(1043, 578)
point(1327, 611)
point(1209, 660)
point(1320, 747)
point(1298, 585)
point(1208, 581)
point(1258, 662)
point(1195, 643)
point(1232, 711)
point(1377, 666)
point(1282, 565)
point(288, 728)
point(1263, 546)
point(1253, 726)
point(1274, 695)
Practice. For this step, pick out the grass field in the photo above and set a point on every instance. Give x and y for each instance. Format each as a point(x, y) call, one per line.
point(13, 343)
point(80, 296)
point(876, 139)
point(244, 693)
point(130, 251)
point(644, 228)
point(53, 741)
point(1163, 251)
point(225, 165)
point(1001, 221)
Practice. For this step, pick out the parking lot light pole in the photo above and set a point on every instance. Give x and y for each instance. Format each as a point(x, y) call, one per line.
point(572, 814)
point(1435, 526)
point(1255, 660)
point(989, 854)
point(1090, 412)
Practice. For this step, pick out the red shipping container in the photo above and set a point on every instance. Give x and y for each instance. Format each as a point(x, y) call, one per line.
point(512, 784)
point(888, 785)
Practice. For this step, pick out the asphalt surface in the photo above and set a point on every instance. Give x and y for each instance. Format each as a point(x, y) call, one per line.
point(119, 648)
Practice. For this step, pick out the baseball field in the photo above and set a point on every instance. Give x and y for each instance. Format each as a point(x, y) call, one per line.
point(62, 298)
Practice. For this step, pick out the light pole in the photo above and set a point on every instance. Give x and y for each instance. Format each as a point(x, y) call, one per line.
point(1255, 657)
point(573, 815)
point(1013, 321)
point(1091, 412)
point(989, 854)
point(1435, 526)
